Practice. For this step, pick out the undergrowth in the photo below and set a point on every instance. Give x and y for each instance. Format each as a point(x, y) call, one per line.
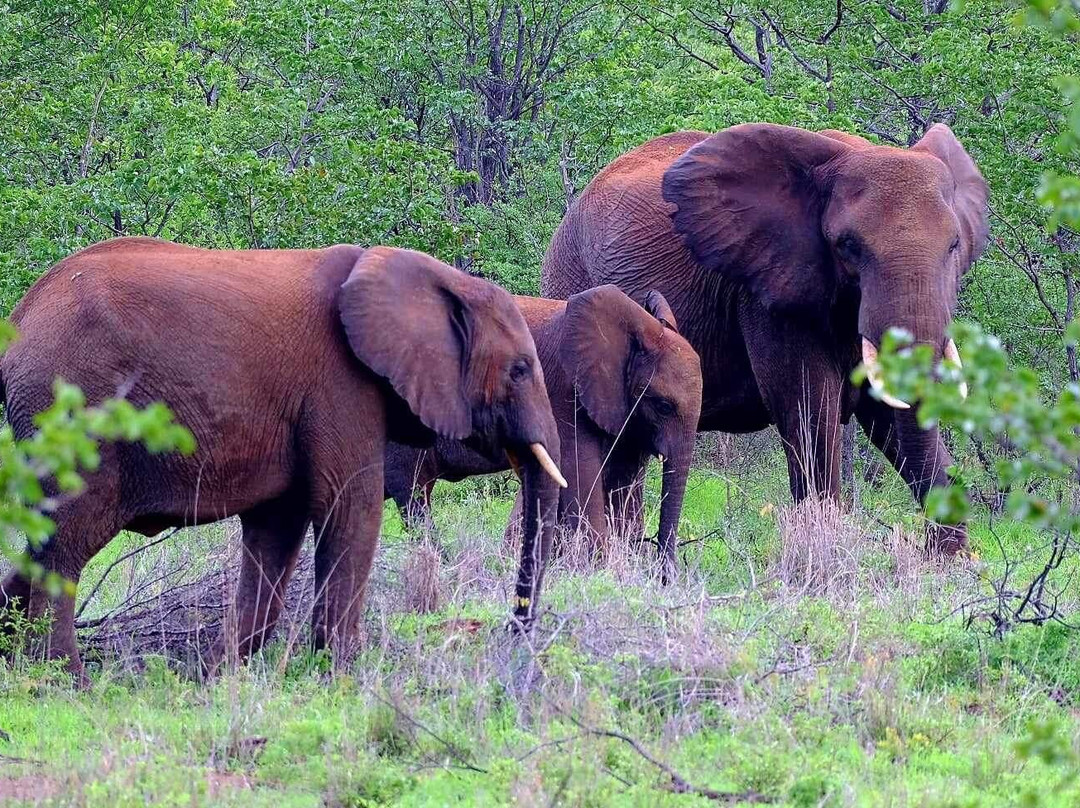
point(804, 657)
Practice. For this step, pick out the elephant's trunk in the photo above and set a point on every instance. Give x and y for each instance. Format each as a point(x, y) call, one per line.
point(915, 295)
point(540, 497)
point(673, 490)
point(922, 306)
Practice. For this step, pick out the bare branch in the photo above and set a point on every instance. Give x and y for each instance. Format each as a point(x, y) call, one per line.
point(130, 554)
point(678, 784)
point(824, 38)
point(84, 155)
point(805, 65)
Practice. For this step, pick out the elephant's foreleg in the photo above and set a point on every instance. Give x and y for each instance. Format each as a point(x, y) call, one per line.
point(809, 426)
point(802, 387)
point(581, 503)
point(918, 455)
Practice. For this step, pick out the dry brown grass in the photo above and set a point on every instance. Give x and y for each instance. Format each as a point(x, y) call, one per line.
point(825, 551)
point(820, 548)
point(421, 580)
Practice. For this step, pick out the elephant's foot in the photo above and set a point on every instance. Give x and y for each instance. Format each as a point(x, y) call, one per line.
point(945, 540)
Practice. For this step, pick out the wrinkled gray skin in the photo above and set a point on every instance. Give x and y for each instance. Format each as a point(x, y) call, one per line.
point(779, 250)
point(623, 385)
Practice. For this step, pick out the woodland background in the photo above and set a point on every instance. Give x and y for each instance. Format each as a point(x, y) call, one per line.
point(806, 656)
point(465, 128)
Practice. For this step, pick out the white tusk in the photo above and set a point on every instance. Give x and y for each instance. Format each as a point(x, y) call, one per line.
point(869, 352)
point(952, 355)
point(873, 375)
point(660, 457)
point(547, 464)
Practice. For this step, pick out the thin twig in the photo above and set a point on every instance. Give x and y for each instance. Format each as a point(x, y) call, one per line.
point(678, 784)
point(119, 561)
point(454, 751)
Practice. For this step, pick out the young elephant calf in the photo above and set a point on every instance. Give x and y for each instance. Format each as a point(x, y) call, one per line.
point(623, 385)
point(292, 368)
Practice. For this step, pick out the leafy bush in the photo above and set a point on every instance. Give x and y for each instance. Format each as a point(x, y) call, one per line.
point(65, 445)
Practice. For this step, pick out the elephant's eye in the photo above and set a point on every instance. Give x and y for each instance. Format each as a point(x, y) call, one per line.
point(955, 245)
point(663, 407)
point(519, 371)
point(848, 248)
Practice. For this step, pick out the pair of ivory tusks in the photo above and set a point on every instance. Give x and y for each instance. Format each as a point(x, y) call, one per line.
point(873, 372)
point(546, 463)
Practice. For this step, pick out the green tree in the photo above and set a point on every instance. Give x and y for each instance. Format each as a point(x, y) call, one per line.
point(1009, 406)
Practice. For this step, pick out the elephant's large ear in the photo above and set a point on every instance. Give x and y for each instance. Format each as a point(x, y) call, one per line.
point(656, 304)
point(748, 203)
point(604, 334)
point(405, 319)
point(969, 197)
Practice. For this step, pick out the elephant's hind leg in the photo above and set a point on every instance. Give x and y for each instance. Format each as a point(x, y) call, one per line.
point(273, 534)
point(84, 525)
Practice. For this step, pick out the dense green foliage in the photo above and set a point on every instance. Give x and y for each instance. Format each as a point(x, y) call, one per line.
point(464, 127)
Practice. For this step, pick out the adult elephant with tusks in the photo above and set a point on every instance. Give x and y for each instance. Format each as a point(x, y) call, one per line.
point(292, 368)
point(786, 255)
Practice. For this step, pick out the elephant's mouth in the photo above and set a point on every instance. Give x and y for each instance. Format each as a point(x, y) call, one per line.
point(542, 457)
point(950, 353)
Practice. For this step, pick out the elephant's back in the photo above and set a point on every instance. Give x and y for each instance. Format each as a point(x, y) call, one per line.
point(199, 329)
point(147, 278)
point(648, 161)
point(619, 226)
point(620, 231)
point(538, 311)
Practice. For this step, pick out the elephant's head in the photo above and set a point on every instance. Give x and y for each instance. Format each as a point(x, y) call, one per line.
point(805, 221)
point(458, 352)
point(636, 377)
point(800, 217)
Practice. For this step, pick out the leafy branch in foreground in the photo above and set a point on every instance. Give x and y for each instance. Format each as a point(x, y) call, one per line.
point(1040, 438)
point(1046, 742)
point(64, 446)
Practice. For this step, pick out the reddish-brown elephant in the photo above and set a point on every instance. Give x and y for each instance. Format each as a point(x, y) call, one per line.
point(786, 254)
point(624, 386)
point(291, 368)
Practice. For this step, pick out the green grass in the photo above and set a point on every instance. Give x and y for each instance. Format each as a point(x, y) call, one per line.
point(733, 678)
